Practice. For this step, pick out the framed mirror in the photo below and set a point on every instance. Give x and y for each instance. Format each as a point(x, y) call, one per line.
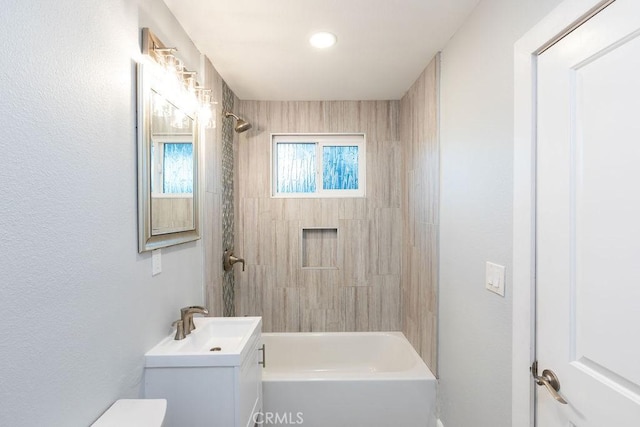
point(168, 211)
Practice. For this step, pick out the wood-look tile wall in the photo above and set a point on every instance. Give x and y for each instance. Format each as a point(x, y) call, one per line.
point(171, 214)
point(212, 204)
point(420, 185)
point(363, 293)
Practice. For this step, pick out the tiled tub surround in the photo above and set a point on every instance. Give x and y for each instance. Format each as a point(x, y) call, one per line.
point(347, 379)
point(387, 263)
point(218, 212)
point(363, 292)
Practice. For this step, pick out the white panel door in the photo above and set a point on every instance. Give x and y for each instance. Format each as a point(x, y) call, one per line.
point(588, 222)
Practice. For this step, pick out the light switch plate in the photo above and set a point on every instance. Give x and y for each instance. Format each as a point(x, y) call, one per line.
point(156, 262)
point(494, 278)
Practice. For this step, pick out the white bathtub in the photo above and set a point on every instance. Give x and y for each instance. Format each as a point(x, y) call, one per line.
point(350, 379)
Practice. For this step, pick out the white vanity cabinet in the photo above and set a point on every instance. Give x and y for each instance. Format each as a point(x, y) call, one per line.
point(216, 392)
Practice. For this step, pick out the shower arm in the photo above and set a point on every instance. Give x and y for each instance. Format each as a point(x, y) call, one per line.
point(241, 125)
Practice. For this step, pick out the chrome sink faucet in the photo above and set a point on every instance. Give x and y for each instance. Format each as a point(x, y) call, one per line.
point(186, 315)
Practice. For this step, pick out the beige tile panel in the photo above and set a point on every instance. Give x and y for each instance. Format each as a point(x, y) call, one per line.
point(355, 296)
point(319, 289)
point(287, 253)
point(212, 243)
point(419, 134)
point(285, 309)
point(249, 290)
point(257, 246)
point(334, 321)
point(384, 162)
point(330, 211)
point(356, 308)
point(292, 209)
point(374, 305)
point(408, 213)
point(356, 251)
point(273, 207)
point(353, 208)
point(377, 119)
point(267, 307)
point(313, 320)
point(390, 303)
point(389, 241)
point(310, 212)
point(248, 222)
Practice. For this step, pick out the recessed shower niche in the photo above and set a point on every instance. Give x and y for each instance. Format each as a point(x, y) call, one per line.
point(319, 248)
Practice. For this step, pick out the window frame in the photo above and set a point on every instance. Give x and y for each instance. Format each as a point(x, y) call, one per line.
point(321, 140)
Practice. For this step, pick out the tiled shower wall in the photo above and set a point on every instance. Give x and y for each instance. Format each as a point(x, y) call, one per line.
point(212, 211)
point(420, 184)
point(218, 212)
point(363, 293)
point(228, 207)
point(387, 242)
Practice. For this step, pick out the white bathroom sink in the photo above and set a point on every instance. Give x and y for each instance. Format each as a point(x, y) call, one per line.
point(216, 341)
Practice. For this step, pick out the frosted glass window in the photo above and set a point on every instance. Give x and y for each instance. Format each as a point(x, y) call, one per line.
point(178, 168)
point(296, 167)
point(340, 167)
point(318, 165)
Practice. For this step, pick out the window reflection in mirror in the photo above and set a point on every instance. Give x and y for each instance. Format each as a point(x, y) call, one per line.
point(172, 171)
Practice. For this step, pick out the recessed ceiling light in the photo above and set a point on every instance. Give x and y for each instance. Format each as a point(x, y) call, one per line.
point(323, 40)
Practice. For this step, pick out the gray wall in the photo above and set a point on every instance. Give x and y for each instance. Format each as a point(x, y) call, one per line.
point(363, 294)
point(79, 304)
point(476, 208)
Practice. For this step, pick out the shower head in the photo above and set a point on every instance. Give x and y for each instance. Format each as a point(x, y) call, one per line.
point(241, 125)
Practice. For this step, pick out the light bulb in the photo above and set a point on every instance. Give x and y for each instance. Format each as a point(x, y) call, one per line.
point(323, 40)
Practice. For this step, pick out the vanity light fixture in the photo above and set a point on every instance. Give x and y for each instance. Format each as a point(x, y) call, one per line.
point(323, 40)
point(205, 114)
point(177, 78)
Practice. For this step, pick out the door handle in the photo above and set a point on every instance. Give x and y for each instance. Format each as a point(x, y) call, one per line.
point(550, 380)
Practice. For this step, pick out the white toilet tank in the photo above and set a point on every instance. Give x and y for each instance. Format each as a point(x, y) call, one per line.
point(134, 413)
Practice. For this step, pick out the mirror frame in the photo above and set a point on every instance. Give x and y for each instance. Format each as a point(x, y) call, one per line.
point(145, 84)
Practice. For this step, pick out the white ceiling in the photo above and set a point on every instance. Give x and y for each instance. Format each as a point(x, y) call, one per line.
point(261, 48)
